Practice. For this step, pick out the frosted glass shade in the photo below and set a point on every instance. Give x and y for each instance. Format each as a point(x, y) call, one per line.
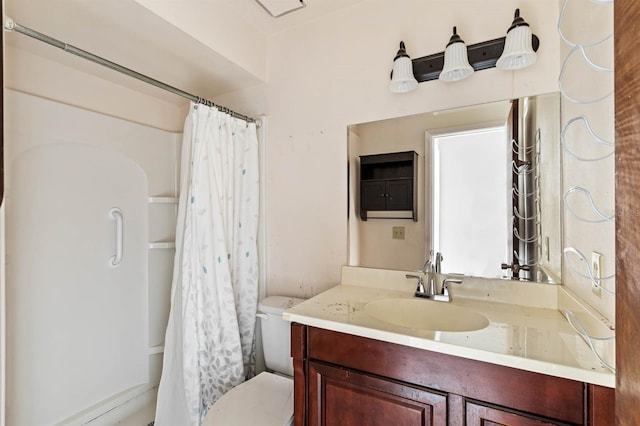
point(402, 80)
point(456, 63)
point(518, 50)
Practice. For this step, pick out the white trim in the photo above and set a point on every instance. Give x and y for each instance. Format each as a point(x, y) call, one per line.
point(3, 316)
point(389, 214)
point(114, 402)
point(162, 245)
point(162, 200)
point(158, 349)
point(262, 228)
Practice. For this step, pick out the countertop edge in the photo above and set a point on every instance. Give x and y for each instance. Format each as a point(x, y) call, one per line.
point(536, 366)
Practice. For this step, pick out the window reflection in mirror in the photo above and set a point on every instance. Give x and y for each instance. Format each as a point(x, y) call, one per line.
point(470, 185)
point(371, 243)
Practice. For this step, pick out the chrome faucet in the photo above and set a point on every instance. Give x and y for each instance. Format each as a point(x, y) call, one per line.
point(430, 276)
point(431, 269)
point(438, 262)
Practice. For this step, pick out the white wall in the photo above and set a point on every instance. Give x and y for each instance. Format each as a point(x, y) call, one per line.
point(586, 23)
point(36, 75)
point(217, 26)
point(334, 72)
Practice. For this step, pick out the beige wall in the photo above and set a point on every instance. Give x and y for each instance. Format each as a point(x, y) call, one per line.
point(335, 72)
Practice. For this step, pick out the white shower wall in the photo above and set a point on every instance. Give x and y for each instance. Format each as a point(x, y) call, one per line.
point(138, 165)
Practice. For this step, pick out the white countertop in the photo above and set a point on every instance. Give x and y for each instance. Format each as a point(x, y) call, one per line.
point(533, 338)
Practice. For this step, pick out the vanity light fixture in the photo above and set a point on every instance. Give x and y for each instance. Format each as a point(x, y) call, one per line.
point(402, 78)
point(518, 50)
point(456, 62)
point(515, 51)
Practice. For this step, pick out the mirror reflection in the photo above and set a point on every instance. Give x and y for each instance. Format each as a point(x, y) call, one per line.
point(486, 193)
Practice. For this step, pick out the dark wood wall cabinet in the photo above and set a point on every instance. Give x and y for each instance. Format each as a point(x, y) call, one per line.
point(388, 186)
point(346, 380)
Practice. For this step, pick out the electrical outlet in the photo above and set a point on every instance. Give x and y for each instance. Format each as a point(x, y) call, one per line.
point(596, 271)
point(398, 232)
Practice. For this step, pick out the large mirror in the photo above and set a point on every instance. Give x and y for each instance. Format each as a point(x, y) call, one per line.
point(487, 191)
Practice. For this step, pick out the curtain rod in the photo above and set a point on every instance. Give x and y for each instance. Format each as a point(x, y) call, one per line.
point(11, 25)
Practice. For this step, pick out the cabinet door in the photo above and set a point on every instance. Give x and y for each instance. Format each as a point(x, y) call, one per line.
point(400, 194)
point(373, 195)
point(481, 415)
point(339, 396)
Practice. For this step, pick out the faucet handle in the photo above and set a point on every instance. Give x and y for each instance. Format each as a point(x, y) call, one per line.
point(420, 288)
point(445, 287)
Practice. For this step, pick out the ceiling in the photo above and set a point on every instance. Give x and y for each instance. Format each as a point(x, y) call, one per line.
point(127, 33)
point(254, 15)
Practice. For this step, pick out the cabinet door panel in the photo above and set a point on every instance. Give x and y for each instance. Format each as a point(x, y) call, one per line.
point(373, 196)
point(400, 194)
point(480, 415)
point(347, 398)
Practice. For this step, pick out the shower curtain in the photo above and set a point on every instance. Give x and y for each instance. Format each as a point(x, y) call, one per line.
point(209, 344)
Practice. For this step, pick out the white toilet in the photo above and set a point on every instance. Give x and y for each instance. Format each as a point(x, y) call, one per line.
point(266, 399)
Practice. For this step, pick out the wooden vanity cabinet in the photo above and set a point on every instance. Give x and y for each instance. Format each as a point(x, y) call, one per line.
point(346, 380)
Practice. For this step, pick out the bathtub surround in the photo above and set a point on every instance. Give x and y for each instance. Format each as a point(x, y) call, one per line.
point(73, 319)
point(209, 346)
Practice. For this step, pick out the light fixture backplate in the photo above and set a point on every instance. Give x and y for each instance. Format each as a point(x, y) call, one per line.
point(481, 56)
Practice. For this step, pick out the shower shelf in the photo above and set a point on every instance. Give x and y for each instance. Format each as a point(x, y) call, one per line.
point(158, 349)
point(163, 200)
point(162, 245)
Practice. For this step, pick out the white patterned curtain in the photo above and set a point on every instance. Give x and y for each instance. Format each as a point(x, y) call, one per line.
point(209, 344)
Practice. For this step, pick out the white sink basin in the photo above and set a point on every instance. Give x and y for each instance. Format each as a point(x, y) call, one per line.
point(426, 315)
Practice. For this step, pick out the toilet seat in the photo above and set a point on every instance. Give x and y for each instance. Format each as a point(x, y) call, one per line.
point(265, 400)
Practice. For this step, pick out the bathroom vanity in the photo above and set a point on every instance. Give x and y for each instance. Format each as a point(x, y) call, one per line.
point(527, 367)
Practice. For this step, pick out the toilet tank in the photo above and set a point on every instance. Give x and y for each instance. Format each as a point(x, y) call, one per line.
point(276, 333)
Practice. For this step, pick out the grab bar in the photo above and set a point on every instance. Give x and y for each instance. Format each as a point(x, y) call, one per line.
point(116, 214)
